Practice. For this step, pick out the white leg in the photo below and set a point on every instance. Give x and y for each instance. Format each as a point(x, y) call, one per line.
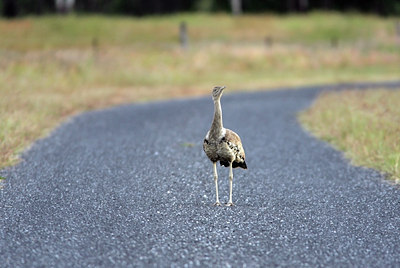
point(217, 203)
point(230, 203)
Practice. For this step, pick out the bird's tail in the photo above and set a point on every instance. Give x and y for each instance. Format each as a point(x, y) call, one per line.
point(239, 164)
point(243, 165)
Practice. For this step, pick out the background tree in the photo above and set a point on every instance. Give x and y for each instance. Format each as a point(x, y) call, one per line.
point(64, 6)
point(236, 6)
point(12, 8)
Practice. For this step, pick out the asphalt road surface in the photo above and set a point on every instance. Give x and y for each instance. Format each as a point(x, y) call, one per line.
point(131, 186)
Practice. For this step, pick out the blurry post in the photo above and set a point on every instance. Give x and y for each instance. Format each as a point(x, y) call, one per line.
point(95, 46)
point(334, 42)
point(183, 36)
point(268, 41)
point(236, 6)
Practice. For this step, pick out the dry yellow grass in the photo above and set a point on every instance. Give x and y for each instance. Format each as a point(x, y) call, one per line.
point(49, 69)
point(364, 124)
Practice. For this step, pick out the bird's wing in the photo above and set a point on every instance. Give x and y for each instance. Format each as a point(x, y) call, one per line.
point(235, 143)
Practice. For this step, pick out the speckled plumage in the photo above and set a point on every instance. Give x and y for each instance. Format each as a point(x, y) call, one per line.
point(223, 145)
point(225, 149)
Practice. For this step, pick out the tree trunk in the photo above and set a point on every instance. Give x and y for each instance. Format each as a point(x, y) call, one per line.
point(303, 5)
point(291, 5)
point(327, 4)
point(236, 6)
point(64, 6)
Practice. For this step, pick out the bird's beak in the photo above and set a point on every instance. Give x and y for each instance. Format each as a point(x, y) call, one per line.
point(222, 88)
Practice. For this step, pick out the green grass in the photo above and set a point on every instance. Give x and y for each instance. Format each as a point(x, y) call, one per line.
point(364, 124)
point(188, 144)
point(53, 32)
point(50, 69)
point(323, 27)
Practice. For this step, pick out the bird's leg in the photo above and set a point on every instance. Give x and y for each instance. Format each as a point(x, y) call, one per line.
point(217, 203)
point(230, 203)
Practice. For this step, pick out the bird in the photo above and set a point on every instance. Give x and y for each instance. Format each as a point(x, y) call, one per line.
point(223, 145)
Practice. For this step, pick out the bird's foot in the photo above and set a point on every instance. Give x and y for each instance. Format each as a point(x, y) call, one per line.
point(229, 204)
point(217, 204)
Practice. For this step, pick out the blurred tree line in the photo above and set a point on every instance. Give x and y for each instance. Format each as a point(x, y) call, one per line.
point(12, 8)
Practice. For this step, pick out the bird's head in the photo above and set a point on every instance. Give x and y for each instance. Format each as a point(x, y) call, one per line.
point(217, 92)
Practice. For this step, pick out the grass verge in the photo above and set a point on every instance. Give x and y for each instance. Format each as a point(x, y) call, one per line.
point(363, 124)
point(52, 67)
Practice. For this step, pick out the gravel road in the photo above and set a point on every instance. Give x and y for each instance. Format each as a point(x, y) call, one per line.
point(131, 186)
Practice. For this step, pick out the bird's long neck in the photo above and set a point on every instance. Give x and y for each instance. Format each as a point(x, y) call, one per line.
point(217, 126)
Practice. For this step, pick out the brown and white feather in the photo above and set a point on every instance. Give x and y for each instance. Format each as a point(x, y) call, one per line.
point(225, 148)
point(222, 144)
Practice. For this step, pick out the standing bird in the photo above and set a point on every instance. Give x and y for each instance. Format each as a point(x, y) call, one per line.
point(223, 145)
